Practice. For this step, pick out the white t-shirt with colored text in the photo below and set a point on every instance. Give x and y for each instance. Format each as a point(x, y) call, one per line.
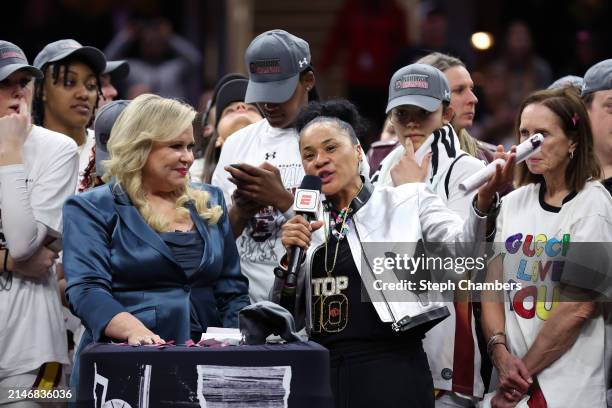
point(535, 239)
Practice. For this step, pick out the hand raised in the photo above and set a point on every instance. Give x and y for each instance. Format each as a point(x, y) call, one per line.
point(407, 170)
point(14, 130)
point(501, 179)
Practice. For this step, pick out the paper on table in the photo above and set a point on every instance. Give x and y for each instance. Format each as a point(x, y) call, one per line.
point(221, 334)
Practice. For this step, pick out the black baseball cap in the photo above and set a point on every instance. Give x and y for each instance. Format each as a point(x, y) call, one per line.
point(213, 100)
point(230, 92)
point(13, 59)
point(58, 50)
point(224, 79)
point(105, 120)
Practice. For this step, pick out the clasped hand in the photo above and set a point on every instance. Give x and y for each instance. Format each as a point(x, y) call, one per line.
point(514, 379)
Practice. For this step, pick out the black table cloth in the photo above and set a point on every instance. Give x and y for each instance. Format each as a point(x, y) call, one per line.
point(294, 375)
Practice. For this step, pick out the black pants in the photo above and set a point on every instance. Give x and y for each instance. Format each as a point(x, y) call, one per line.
point(381, 376)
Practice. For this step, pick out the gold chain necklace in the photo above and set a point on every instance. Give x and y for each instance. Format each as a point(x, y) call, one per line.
point(346, 212)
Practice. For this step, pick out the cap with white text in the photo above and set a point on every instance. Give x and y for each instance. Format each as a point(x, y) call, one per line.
point(274, 61)
point(420, 85)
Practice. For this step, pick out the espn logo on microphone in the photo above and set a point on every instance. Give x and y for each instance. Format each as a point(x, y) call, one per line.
point(306, 201)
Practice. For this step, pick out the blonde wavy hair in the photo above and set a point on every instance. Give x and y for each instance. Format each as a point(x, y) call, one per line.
point(146, 120)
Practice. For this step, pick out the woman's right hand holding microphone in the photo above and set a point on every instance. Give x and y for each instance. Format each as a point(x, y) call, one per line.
point(298, 232)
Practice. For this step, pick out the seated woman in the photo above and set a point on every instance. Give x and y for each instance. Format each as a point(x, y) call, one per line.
point(148, 257)
point(376, 350)
point(549, 352)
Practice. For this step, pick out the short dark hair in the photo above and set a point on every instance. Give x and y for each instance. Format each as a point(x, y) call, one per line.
point(340, 109)
point(566, 104)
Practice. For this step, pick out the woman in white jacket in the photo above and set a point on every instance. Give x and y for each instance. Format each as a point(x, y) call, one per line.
point(377, 358)
point(421, 111)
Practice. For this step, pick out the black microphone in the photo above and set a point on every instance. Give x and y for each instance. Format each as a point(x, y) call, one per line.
point(306, 204)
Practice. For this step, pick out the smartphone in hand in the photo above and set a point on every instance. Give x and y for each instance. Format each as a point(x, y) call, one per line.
point(241, 167)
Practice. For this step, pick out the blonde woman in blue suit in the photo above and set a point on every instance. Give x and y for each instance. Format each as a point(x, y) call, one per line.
point(149, 257)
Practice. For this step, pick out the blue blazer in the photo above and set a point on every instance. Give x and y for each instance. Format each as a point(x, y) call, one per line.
point(114, 262)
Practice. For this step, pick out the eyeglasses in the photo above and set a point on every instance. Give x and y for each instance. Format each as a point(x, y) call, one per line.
point(404, 115)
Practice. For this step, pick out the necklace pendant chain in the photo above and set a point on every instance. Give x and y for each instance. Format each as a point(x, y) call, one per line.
point(339, 235)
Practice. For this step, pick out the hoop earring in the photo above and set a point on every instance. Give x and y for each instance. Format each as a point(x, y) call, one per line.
point(571, 155)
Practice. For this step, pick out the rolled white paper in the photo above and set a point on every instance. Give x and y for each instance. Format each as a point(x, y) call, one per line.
point(523, 152)
point(480, 177)
point(528, 147)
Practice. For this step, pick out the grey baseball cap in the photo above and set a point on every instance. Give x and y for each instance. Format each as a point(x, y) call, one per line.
point(13, 59)
point(117, 69)
point(598, 77)
point(105, 119)
point(61, 49)
point(274, 61)
point(420, 85)
point(568, 80)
